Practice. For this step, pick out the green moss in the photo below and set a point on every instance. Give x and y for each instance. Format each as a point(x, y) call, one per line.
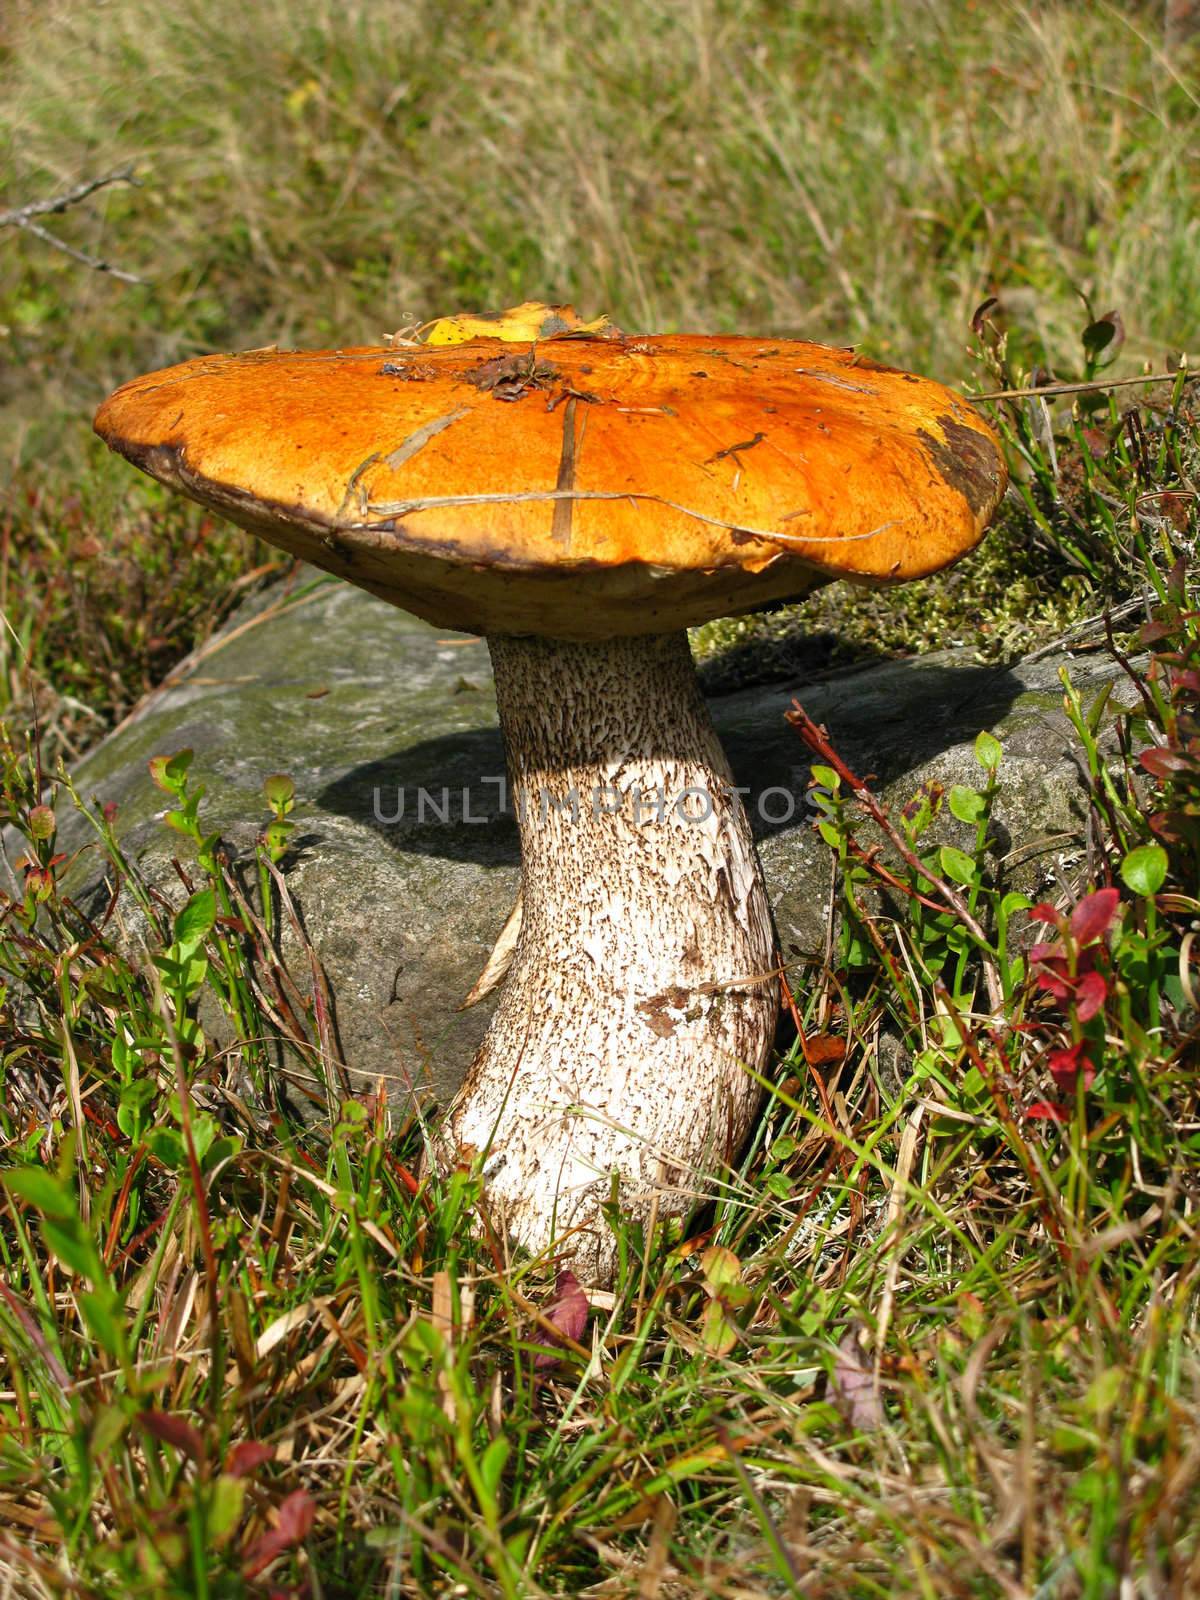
point(1007, 597)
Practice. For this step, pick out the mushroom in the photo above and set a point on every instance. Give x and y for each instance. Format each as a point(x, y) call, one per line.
point(582, 499)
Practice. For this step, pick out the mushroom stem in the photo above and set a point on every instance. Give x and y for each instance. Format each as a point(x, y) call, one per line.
point(642, 998)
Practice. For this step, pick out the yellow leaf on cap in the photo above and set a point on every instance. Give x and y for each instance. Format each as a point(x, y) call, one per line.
point(530, 320)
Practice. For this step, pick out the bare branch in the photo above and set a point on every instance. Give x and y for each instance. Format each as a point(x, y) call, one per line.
point(19, 216)
point(82, 256)
point(23, 217)
point(1096, 386)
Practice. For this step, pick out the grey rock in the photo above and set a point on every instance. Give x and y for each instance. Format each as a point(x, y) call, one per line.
point(374, 714)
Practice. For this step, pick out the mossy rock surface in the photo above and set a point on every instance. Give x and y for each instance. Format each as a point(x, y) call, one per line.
point(365, 707)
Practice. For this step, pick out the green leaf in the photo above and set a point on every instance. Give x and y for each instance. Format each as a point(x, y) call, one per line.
point(1067, 1439)
point(134, 1103)
point(826, 777)
point(957, 864)
point(1098, 336)
point(830, 834)
point(165, 1145)
point(718, 1333)
point(968, 805)
point(989, 752)
point(422, 1342)
point(971, 1085)
point(225, 1507)
point(859, 953)
point(390, 1536)
point(170, 772)
point(195, 921)
point(124, 1057)
point(223, 1149)
point(280, 792)
point(204, 1127)
point(1096, 709)
point(276, 837)
point(46, 1193)
point(491, 1465)
point(110, 1424)
point(204, 1131)
point(183, 977)
point(946, 1031)
point(720, 1266)
point(1144, 870)
point(517, 1545)
point(100, 1312)
point(74, 1247)
point(42, 823)
point(1105, 1390)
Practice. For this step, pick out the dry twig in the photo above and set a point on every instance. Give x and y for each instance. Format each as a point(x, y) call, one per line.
point(1095, 386)
point(24, 217)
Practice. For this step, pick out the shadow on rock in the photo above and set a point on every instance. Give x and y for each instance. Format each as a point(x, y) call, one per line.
point(448, 796)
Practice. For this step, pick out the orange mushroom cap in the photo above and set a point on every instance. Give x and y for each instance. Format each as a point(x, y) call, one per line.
point(579, 486)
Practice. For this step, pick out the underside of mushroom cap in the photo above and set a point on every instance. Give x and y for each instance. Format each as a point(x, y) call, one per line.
point(583, 486)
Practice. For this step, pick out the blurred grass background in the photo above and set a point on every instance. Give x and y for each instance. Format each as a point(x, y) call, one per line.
point(315, 172)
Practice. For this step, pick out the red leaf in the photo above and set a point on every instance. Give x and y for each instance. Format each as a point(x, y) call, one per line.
point(296, 1516)
point(1044, 913)
point(295, 1520)
point(246, 1457)
point(1067, 1066)
point(1094, 914)
point(1090, 994)
point(1163, 763)
point(174, 1431)
point(262, 1552)
point(823, 1049)
point(1054, 981)
point(1168, 825)
point(1047, 952)
point(1044, 1111)
point(568, 1312)
point(1152, 632)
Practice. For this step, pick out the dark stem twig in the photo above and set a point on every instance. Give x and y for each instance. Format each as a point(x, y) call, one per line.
point(23, 217)
point(1047, 1200)
point(818, 741)
point(793, 1010)
point(1094, 387)
point(332, 1059)
point(199, 1190)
